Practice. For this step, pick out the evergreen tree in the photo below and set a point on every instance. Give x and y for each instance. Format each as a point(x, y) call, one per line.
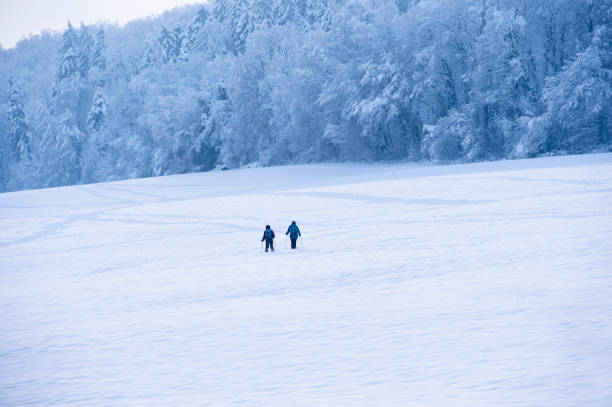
point(198, 23)
point(197, 36)
point(98, 58)
point(402, 5)
point(167, 45)
point(242, 24)
point(61, 145)
point(17, 127)
point(98, 153)
point(5, 158)
point(150, 57)
point(181, 45)
point(68, 58)
point(223, 9)
point(98, 111)
point(317, 12)
point(166, 48)
point(325, 19)
point(5, 161)
point(222, 115)
point(287, 12)
point(263, 15)
point(214, 118)
point(85, 49)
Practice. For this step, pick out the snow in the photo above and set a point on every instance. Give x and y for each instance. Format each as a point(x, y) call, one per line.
point(468, 285)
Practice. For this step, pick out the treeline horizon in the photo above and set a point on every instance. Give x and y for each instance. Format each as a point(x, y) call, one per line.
point(233, 83)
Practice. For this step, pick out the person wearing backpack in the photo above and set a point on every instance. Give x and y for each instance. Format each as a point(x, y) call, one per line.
point(268, 236)
point(293, 231)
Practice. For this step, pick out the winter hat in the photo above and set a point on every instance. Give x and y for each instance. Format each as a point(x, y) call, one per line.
point(267, 226)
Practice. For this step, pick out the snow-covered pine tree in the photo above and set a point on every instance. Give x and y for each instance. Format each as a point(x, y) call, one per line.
point(167, 45)
point(287, 12)
point(181, 45)
point(215, 113)
point(197, 24)
point(68, 58)
point(98, 155)
point(222, 94)
point(98, 111)
point(150, 57)
point(5, 161)
point(5, 151)
point(165, 48)
point(196, 33)
point(222, 115)
point(98, 57)
point(69, 153)
point(203, 150)
point(263, 13)
point(313, 11)
point(403, 5)
point(61, 147)
point(85, 47)
point(222, 10)
point(242, 24)
point(325, 18)
point(17, 127)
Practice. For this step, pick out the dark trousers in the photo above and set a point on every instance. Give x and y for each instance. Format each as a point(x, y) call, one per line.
point(269, 244)
point(293, 243)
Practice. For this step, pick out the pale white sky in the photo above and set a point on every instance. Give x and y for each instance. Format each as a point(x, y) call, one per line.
point(20, 18)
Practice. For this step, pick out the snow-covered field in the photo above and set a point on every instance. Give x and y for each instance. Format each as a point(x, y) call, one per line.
point(472, 285)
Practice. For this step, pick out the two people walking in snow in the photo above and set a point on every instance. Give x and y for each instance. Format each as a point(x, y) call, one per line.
point(293, 231)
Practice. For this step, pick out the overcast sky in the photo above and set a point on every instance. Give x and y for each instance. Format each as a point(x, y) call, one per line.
point(20, 18)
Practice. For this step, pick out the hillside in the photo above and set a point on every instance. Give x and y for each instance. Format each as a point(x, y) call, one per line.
point(236, 83)
point(468, 285)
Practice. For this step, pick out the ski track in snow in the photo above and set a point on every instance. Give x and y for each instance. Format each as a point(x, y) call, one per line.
point(470, 285)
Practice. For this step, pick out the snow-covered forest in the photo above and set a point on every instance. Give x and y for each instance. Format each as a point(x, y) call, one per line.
point(233, 83)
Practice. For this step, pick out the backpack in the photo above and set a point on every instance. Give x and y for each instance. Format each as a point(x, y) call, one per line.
point(269, 234)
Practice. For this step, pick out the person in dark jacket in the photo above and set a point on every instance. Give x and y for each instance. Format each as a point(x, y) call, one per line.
point(268, 236)
point(293, 231)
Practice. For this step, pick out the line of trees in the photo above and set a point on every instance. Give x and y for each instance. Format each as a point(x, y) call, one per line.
point(265, 82)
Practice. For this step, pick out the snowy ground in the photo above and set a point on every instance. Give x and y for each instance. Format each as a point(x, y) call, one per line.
point(473, 285)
